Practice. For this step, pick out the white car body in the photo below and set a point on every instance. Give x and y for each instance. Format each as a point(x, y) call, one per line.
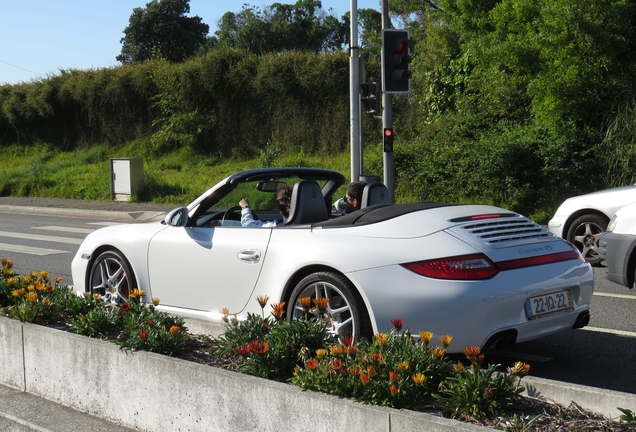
point(196, 271)
point(618, 247)
point(582, 219)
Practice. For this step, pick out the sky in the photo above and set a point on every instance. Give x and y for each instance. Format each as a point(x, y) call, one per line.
point(38, 38)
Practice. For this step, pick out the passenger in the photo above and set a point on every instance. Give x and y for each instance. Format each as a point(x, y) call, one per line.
point(283, 201)
point(353, 197)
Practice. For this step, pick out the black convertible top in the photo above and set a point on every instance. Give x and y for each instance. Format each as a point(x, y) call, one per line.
point(378, 213)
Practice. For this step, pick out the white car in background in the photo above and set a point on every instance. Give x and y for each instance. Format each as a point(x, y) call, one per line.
point(583, 219)
point(618, 247)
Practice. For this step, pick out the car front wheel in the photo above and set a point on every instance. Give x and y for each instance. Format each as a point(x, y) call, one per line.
point(584, 233)
point(111, 277)
point(344, 315)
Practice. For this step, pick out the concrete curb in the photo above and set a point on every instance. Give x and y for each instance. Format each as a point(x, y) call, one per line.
point(151, 392)
point(136, 216)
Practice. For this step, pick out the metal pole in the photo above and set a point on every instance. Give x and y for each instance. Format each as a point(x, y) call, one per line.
point(354, 91)
point(387, 114)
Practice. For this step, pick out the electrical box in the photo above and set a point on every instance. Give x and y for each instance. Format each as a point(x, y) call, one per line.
point(127, 177)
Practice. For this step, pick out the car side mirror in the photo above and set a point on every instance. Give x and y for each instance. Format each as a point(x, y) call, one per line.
point(177, 217)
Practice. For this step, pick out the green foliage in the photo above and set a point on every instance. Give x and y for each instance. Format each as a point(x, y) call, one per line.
point(482, 393)
point(628, 416)
point(162, 25)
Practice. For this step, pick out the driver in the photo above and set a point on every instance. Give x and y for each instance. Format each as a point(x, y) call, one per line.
point(283, 200)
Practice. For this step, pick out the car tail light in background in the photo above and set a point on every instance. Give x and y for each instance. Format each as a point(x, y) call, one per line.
point(480, 267)
point(465, 267)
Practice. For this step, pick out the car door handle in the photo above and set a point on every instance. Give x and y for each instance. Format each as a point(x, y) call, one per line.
point(250, 256)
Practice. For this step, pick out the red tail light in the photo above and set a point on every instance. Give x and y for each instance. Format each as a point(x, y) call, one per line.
point(466, 267)
point(480, 267)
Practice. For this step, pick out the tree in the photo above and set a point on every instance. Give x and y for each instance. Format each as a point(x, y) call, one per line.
point(162, 27)
point(303, 26)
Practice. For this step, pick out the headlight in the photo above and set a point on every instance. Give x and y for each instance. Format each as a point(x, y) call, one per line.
point(612, 224)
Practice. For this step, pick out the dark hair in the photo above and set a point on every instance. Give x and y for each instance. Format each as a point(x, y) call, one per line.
point(283, 200)
point(354, 190)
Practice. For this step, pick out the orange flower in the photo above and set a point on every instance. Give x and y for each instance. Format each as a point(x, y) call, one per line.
point(262, 300)
point(258, 347)
point(381, 338)
point(404, 365)
point(418, 378)
point(57, 280)
point(46, 303)
point(445, 340)
point(311, 364)
point(394, 390)
point(225, 312)
point(243, 350)
point(347, 340)
point(364, 378)
point(474, 354)
point(278, 310)
point(351, 350)
point(305, 302)
point(336, 364)
point(393, 376)
point(371, 371)
point(174, 331)
point(355, 370)
point(143, 335)
point(32, 297)
point(458, 367)
point(321, 303)
point(438, 351)
point(376, 357)
point(426, 337)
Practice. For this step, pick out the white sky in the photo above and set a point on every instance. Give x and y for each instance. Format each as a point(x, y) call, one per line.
point(40, 37)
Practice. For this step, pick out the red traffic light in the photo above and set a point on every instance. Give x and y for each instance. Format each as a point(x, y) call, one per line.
point(388, 133)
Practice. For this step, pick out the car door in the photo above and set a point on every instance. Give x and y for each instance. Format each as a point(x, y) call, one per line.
point(206, 268)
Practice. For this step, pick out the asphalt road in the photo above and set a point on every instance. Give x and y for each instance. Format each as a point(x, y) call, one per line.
point(601, 355)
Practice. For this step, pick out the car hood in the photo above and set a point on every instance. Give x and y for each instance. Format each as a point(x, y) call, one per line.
point(607, 201)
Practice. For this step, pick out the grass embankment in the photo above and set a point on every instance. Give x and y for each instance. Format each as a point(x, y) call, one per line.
point(170, 178)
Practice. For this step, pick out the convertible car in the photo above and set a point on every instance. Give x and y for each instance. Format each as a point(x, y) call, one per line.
point(486, 276)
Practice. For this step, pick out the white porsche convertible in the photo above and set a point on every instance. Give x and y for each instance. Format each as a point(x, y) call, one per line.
point(486, 276)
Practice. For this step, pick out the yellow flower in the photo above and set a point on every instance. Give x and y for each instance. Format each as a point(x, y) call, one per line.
point(97, 297)
point(337, 350)
point(426, 337)
point(31, 288)
point(44, 275)
point(458, 367)
point(16, 293)
point(520, 369)
point(320, 353)
point(418, 378)
point(445, 340)
point(136, 292)
point(381, 338)
point(156, 300)
point(32, 297)
point(26, 279)
point(404, 365)
point(11, 281)
point(46, 303)
point(438, 351)
point(86, 294)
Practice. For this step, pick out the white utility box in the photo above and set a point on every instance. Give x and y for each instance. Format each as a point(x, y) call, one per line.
point(127, 177)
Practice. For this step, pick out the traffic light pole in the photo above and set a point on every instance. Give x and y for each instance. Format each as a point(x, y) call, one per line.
point(387, 116)
point(354, 94)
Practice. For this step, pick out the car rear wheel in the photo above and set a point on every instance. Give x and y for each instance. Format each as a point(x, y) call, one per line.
point(585, 232)
point(345, 314)
point(111, 277)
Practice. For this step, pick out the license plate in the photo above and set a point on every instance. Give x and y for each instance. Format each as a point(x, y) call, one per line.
point(546, 304)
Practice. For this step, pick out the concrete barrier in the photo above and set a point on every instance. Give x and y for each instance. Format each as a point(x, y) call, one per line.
point(151, 392)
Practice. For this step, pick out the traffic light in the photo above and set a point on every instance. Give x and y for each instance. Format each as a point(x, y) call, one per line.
point(369, 97)
point(388, 140)
point(396, 61)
